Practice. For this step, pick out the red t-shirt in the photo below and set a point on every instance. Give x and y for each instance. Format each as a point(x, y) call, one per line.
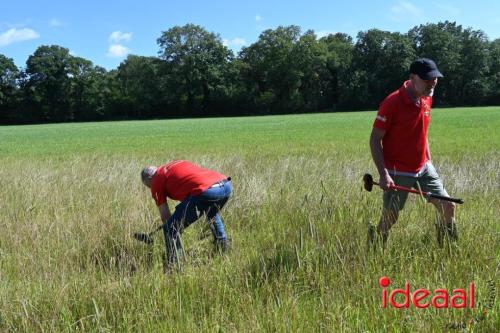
point(180, 179)
point(405, 140)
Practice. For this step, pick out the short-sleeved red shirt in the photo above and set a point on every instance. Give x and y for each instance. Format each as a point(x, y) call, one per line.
point(179, 179)
point(405, 140)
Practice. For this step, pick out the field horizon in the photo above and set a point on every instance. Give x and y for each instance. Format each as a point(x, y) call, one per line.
point(71, 198)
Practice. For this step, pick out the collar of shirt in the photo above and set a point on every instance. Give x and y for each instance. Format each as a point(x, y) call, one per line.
point(408, 97)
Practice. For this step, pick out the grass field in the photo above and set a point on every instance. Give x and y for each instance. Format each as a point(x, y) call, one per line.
point(70, 198)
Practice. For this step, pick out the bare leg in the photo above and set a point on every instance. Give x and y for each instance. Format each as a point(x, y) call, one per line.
point(387, 220)
point(445, 221)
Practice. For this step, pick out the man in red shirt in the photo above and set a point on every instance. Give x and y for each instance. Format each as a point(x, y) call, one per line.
point(200, 192)
point(400, 149)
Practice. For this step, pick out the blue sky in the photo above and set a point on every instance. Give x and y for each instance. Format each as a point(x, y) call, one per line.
point(106, 31)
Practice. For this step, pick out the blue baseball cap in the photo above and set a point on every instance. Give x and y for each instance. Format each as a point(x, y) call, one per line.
point(425, 68)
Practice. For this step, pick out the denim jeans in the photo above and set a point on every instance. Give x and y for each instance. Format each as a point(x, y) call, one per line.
point(208, 203)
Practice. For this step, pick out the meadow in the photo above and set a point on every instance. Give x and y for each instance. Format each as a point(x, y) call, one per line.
point(71, 197)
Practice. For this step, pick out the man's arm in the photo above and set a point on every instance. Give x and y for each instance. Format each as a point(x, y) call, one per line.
point(378, 157)
point(164, 212)
point(428, 151)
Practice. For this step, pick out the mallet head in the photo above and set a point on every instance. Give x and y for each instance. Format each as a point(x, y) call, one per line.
point(368, 182)
point(143, 238)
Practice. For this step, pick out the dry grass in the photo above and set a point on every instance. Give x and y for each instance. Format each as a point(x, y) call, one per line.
point(298, 224)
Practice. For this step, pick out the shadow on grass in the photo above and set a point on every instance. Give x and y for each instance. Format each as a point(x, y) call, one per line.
point(273, 266)
point(111, 255)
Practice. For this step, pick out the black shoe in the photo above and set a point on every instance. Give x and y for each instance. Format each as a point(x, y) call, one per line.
point(440, 234)
point(452, 232)
point(222, 245)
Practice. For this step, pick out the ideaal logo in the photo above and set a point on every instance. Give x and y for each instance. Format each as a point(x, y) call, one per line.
point(441, 298)
point(423, 298)
point(485, 309)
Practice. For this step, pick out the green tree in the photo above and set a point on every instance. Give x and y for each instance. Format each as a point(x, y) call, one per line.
point(309, 61)
point(494, 73)
point(8, 90)
point(139, 84)
point(271, 72)
point(442, 42)
point(88, 90)
point(474, 67)
point(336, 84)
point(196, 65)
point(61, 87)
point(462, 55)
point(48, 83)
point(381, 61)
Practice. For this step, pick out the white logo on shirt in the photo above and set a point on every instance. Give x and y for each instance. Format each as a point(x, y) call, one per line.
point(381, 118)
point(427, 110)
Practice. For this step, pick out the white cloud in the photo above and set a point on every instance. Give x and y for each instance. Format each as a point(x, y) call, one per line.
point(17, 35)
point(55, 23)
point(118, 36)
point(405, 10)
point(259, 22)
point(235, 42)
point(117, 51)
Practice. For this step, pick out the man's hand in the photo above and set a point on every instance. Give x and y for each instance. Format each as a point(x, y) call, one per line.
point(386, 181)
point(164, 212)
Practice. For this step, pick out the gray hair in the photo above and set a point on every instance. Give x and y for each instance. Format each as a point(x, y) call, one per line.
point(147, 173)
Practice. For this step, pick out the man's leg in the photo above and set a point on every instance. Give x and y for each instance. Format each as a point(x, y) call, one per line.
point(185, 214)
point(445, 221)
point(221, 241)
point(217, 226)
point(171, 246)
point(387, 220)
point(381, 232)
point(431, 182)
point(394, 201)
point(215, 199)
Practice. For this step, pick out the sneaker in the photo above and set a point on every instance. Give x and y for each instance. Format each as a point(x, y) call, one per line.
point(440, 234)
point(222, 245)
point(452, 232)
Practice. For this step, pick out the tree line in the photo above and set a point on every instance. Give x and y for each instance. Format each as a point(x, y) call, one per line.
point(284, 71)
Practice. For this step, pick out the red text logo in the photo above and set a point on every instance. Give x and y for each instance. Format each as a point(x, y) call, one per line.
point(423, 298)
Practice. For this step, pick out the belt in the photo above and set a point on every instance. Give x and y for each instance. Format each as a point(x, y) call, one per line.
point(221, 183)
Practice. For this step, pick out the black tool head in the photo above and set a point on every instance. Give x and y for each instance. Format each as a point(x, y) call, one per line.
point(143, 237)
point(368, 182)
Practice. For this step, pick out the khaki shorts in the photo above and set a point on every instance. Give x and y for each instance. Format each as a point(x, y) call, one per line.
point(427, 181)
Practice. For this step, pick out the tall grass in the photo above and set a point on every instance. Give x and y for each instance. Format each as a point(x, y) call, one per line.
point(71, 197)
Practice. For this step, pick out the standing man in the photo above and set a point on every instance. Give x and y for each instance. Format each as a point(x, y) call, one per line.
point(400, 150)
point(200, 192)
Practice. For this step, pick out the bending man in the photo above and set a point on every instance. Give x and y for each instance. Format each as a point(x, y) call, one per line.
point(200, 192)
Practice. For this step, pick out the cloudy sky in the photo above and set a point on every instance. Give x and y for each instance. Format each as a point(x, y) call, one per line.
point(106, 31)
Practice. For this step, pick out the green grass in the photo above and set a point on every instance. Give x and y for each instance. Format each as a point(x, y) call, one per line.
point(71, 197)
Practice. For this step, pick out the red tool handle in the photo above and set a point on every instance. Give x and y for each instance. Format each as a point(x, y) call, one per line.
point(427, 194)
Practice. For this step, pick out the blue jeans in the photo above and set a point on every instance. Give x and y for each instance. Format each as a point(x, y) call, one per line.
point(208, 203)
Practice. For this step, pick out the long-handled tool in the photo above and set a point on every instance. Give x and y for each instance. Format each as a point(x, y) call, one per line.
point(368, 185)
point(148, 238)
